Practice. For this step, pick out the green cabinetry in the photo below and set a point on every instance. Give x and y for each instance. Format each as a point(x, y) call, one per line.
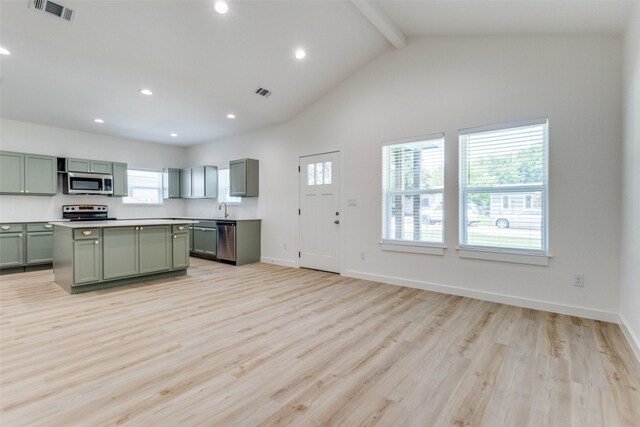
point(28, 174)
point(89, 166)
point(25, 246)
point(11, 247)
point(171, 183)
point(120, 184)
point(39, 243)
point(185, 183)
point(129, 251)
point(204, 182)
point(180, 246)
point(87, 261)
point(244, 177)
point(205, 238)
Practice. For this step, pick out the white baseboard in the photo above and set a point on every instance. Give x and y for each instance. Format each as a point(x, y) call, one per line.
point(279, 261)
point(633, 339)
point(571, 310)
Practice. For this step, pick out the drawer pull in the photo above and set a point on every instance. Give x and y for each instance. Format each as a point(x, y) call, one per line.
point(181, 227)
point(48, 226)
point(6, 227)
point(175, 237)
point(141, 228)
point(19, 235)
point(87, 232)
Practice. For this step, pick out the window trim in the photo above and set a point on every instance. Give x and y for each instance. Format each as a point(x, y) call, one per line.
point(227, 196)
point(418, 246)
point(467, 251)
point(161, 198)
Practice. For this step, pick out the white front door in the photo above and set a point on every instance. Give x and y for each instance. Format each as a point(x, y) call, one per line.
point(320, 212)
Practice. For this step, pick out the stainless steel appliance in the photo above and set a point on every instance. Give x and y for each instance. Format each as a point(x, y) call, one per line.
point(226, 245)
point(86, 213)
point(87, 183)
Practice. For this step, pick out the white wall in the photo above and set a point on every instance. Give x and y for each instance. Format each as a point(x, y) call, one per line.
point(31, 138)
point(630, 288)
point(445, 84)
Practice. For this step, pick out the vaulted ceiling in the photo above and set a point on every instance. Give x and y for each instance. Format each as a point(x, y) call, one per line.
point(201, 65)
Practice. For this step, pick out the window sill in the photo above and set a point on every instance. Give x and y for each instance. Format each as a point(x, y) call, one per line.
point(415, 248)
point(517, 258)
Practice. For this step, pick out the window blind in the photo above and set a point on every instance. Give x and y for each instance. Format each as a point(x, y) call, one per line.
point(503, 187)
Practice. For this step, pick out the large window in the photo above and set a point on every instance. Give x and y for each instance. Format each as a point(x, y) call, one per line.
point(503, 188)
point(144, 187)
point(412, 190)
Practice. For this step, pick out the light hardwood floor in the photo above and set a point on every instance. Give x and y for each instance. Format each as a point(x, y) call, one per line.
point(267, 345)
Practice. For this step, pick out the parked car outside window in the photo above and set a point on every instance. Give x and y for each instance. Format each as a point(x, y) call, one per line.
point(528, 218)
point(434, 215)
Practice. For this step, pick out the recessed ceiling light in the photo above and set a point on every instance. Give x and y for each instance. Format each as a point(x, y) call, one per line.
point(300, 53)
point(4, 51)
point(98, 120)
point(221, 7)
point(175, 135)
point(231, 116)
point(146, 92)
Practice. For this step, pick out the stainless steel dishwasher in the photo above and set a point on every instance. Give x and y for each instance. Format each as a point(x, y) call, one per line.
point(226, 246)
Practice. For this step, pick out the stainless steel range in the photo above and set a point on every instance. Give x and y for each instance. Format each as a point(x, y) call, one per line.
point(86, 213)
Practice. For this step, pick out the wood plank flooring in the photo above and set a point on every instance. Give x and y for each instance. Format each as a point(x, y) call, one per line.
point(262, 345)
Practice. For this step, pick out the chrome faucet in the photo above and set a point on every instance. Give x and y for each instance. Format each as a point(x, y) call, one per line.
point(226, 214)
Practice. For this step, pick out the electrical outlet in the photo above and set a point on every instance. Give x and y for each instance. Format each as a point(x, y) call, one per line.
point(578, 280)
point(363, 256)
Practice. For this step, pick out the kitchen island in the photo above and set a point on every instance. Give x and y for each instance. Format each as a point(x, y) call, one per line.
point(91, 255)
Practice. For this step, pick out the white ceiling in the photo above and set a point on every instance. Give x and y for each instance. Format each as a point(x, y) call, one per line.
point(202, 65)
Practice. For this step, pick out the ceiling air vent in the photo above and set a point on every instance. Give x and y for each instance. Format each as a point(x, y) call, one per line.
point(54, 9)
point(263, 92)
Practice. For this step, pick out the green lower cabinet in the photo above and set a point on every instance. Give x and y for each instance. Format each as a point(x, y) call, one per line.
point(129, 251)
point(204, 241)
point(155, 248)
point(87, 261)
point(11, 250)
point(180, 250)
point(40, 247)
point(120, 252)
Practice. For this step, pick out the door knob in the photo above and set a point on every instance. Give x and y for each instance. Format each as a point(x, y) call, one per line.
point(337, 221)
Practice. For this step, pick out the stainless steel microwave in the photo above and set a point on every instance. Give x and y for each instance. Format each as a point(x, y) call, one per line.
point(87, 183)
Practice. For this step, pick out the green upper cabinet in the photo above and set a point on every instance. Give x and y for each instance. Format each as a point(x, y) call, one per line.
point(204, 182)
point(244, 177)
point(101, 167)
point(120, 185)
point(28, 174)
point(185, 183)
point(89, 166)
point(40, 174)
point(171, 183)
point(11, 173)
point(78, 165)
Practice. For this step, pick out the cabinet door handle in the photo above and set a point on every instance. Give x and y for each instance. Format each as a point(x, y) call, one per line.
point(22, 191)
point(141, 228)
point(5, 227)
point(48, 226)
point(175, 237)
point(26, 191)
point(19, 235)
point(96, 242)
point(87, 232)
point(337, 221)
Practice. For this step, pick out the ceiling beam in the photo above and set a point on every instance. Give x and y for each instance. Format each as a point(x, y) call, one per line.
point(374, 13)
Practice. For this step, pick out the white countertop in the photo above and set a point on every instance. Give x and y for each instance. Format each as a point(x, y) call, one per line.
point(120, 223)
